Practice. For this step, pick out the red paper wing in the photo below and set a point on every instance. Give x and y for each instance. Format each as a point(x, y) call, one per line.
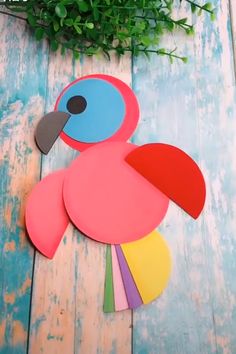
point(176, 174)
point(45, 216)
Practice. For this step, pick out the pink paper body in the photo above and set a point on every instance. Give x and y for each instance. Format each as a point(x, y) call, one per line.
point(107, 199)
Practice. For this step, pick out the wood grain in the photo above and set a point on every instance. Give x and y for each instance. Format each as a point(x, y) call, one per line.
point(22, 91)
point(67, 305)
point(233, 27)
point(194, 107)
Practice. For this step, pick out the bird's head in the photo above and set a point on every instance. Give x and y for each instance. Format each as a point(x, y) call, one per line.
point(90, 110)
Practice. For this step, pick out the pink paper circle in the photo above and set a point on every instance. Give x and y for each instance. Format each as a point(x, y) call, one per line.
point(107, 199)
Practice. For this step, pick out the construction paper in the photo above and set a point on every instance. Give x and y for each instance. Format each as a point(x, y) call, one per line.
point(104, 113)
point(119, 290)
point(173, 172)
point(108, 305)
point(48, 130)
point(129, 121)
point(150, 264)
point(132, 294)
point(45, 216)
point(107, 199)
point(76, 104)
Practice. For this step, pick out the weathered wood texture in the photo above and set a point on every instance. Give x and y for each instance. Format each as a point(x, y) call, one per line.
point(192, 106)
point(22, 92)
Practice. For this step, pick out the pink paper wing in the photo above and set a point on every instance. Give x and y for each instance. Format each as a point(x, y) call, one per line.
point(45, 216)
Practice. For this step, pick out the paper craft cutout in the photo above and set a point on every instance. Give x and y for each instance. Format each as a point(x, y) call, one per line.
point(132, 294)
point(45, 215)
point(114, 192)
point(176, 174)
point(150, 264)
point(48, 130)
point(108, 305)
point(109, 201)
point(76, 104)
point(118, 286)
point(106, 110)
point(130, 119)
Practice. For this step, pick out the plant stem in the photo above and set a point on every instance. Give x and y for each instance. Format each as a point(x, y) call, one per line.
point(171, 20)
point(199, 6)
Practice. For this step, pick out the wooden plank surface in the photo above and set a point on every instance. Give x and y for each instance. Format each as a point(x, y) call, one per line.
point(233, 28)
point(192, 106)
point(22, 92)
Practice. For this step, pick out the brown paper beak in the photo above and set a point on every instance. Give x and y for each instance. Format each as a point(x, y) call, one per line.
point(48, 130)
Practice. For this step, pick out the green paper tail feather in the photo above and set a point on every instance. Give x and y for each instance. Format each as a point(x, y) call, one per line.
point(108, 305)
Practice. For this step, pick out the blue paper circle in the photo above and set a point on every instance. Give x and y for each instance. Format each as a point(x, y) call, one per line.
point(104, 113)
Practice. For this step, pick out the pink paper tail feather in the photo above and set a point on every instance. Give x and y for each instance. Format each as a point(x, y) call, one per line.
point(120, 298)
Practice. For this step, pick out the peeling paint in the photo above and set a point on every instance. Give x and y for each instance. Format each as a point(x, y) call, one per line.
point(25, 286)
point(19, 334)
point(10, 246)
point(2, 333)
point(23, 87)
point(10, 298)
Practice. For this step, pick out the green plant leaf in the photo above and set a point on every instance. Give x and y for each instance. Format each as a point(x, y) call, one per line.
point(96, 14)
point(89, 25)
point(77, 19)
point(213, 16)
point(170, 26)
point(54, 45)
point(161, 51)
point(83, 6)
point(207, 6)
point(182, 21)
point(77, 28)
point(184, 59)
point(68, 22)
point(193, 8)
point(60, 10)
point(32, 20)
point(63, 50)
point(145, 40)
point(76, 55)
point(190, 31)
point(45, 16)
point(199, 12)
point(39, 33)
point(56, 26)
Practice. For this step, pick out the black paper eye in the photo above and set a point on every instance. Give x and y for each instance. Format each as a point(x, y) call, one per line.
point(76, 104)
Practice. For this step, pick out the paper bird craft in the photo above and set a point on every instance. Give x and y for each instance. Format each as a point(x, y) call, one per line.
point(114, 192)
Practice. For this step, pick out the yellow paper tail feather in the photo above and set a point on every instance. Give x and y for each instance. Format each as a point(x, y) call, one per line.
point(150, 264)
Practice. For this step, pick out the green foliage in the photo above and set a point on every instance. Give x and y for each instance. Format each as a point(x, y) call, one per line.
point(99, 26)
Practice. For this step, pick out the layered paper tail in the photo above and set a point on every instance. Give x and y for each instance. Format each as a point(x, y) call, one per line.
point(139, 270)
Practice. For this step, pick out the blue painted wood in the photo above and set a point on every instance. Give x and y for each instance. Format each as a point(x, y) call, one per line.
point(193, 106)
point(22, 86)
